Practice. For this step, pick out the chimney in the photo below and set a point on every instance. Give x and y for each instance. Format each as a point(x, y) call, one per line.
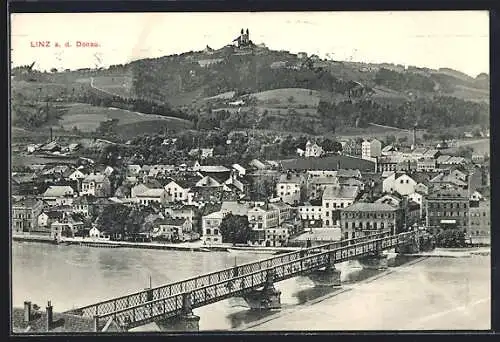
point(50, 133)
point(27, 311)
point(49, 316)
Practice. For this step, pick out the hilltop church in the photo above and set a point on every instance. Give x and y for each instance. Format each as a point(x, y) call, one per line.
point(243, 40)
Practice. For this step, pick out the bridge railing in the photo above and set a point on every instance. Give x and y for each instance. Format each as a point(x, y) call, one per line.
point(173, 305)
point(190, 284)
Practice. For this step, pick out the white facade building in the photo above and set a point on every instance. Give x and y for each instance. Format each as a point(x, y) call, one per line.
point(371, 149)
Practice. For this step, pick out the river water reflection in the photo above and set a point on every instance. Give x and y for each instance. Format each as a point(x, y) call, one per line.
point(73, 276)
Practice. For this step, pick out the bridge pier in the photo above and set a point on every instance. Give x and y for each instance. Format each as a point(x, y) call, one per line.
point(412, 247)
point(374, 262)
point(182, 323)
point(186, 321)
point(265, 299)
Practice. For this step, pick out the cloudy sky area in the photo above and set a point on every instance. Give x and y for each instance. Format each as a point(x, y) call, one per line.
point(459, 39)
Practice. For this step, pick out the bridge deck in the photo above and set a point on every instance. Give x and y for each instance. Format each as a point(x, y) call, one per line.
point(188, 285)
point(237, 284)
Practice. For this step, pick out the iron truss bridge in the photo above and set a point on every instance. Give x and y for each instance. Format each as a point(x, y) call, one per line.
point(169, 300)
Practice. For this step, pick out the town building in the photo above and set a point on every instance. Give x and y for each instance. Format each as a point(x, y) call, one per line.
point(179, 190)
point(210, 228)
point(389, 163)
point(261, 219)
point(313, 150)
point(336, 197)
point(182, 212)
point(59, 195)
point(400, 183)
point(97, 185)
point(479, 220)
point(426, 165)
point(351, 148)
point(362, 219)
point(46, 218)
point(67, 227)
point(316, 185)
point(25, 215)
point(289, 188)
point(173, 230)
point(447, 208)
point(150, 196)
point(478, 158)
point(371, 149)
point(311, 213)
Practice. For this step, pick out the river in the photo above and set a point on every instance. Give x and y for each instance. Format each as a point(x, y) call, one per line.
point(432, 293)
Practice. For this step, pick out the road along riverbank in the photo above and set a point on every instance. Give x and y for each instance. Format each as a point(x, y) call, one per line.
point(196, 246)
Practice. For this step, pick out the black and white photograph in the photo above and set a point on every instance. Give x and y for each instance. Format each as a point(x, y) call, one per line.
point(250, 171)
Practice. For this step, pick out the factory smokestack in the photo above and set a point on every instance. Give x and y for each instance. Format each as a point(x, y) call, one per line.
point(50, 133)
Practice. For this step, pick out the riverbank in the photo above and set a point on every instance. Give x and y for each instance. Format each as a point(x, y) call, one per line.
point(196, 246)
point(425, 294)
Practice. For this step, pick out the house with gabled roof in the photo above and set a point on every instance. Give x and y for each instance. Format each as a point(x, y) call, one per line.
point(173, 230)
point(149, 196)
point(178, 190)
point(47, 217)
point(208, 182)
point(59, 195)
point(401, 183)
point(77, 175)
point(97, 185)
point(30, 320)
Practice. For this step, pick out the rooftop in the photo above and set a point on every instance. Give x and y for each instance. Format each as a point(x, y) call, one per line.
point(333, 192)
point(58, 191)
point(61, 323)
point(361, 206)
point(328, 163)
point(95, 178)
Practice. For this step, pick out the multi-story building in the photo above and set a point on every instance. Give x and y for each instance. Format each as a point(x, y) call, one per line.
point(316, 185)
point(178, 190)
point(335, 198)
point(288, 188)
point(447, 208)
point(25, 215)
point(97, 185)
point(210, 227)
point(371, 149)
point(426, 165)
point(351, 148)
point(389, 163)
point(285, 211)
point(311, 213)
point(59, 195)
point(262, 219)
point(362, 219)
point(184, 212)
point(479, 219)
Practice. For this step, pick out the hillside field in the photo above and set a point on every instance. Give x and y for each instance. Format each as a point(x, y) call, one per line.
point(87, 118)
point(118, 85)
point(288, 96)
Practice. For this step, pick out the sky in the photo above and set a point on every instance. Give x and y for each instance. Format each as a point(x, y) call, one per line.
point(434, 39)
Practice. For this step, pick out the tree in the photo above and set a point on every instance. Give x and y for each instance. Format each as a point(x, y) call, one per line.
point(113, 219)
point(390, 139)
point(450, 238)
point(235, 229)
